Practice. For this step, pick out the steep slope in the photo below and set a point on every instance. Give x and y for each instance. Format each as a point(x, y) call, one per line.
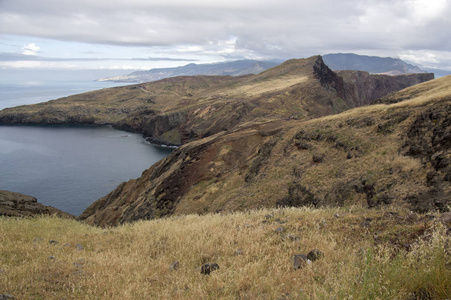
point(182, 109)
point(397, 154)
point(19, 205)
point(233, 68)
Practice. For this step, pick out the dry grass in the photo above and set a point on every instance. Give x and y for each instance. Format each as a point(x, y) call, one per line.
point(132, 261)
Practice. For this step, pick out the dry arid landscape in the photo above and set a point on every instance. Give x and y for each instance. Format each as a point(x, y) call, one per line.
point(364, 254)
point(295, 183)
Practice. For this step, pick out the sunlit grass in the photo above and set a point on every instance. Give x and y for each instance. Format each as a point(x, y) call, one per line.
point(133, 261)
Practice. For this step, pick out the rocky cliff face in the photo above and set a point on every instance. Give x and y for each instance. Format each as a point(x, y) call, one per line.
point(19, 205)
point(361, 88)
point(381, 155)
point(178, 110)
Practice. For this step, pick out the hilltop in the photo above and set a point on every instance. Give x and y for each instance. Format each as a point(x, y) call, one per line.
point(380, 155)
point(182, 109)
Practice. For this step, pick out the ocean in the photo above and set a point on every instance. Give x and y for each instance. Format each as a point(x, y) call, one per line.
point(67, 167)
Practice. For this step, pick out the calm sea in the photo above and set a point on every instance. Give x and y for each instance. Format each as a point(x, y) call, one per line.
point(67, 167)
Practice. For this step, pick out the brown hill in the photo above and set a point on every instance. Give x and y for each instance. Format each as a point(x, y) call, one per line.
point(182, 109)
point(397, 154)
point(19, 205)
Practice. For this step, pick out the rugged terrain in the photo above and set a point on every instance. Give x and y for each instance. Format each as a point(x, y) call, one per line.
point(380, 155)
point(182, 109)
point(19, 205)
point(357, 254)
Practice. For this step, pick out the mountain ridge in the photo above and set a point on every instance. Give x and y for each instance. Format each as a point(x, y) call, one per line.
point(233, 68)
point(379, 155)
point(181, 109)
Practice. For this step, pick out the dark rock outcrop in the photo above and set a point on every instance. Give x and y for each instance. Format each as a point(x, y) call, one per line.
point(206, 269)
point(19, 205)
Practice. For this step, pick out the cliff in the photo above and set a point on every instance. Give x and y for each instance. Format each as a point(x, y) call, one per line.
point(182, 109)
point(19, 205)
point(380, 155)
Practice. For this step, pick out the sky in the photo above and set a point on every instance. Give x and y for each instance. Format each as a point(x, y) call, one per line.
point(118, 35)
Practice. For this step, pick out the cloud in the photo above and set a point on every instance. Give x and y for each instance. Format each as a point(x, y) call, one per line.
point(236, 28)
point(30, 49)
point(33, 57)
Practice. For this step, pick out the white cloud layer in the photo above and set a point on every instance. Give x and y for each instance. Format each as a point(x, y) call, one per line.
point(240, 28)
point(30, 49)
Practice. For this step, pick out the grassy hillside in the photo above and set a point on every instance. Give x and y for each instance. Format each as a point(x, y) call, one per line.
point(366, 254)
point(381, 155)
point(182, 109)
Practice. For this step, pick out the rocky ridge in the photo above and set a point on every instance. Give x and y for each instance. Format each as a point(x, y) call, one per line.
point(179, 110)
point(19, 205)
point(397, 154)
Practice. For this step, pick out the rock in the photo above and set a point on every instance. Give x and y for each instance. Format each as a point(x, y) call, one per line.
point(291, 237)
point(318, 157)
point(300, 261)
point(174, 266)
point(238, 252)
point(52, 257)
point(412, 217)
point(6, 297)
point(79, 247)
point(20, 205)
point(53, 242)
point(445, 218)
point(366, 223)
point(280, 230)
point(208, 268)
point(315, 254)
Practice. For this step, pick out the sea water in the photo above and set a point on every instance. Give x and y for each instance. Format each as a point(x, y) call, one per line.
point(67, 167)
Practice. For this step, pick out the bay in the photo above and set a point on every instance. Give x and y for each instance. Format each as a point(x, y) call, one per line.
point(67, 167)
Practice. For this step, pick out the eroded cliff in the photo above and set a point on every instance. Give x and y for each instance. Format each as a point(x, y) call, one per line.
point(397, 154)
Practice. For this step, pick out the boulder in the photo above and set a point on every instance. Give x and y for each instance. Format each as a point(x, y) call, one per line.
point(174, 266)
point(315, 254)
point(300, 261)
point(206, 269)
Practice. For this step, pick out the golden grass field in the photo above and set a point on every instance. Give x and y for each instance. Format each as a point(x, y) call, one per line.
point(368, 254)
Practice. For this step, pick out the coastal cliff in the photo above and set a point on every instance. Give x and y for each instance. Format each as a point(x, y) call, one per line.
point(179, 110)
point(19, 205)
point(379, 155)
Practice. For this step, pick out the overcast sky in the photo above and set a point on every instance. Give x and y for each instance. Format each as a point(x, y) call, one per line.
point(144, 34)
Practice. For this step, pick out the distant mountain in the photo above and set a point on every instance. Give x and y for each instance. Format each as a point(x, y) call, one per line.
point(233, 68)
point(437, 72)
point(371, 64)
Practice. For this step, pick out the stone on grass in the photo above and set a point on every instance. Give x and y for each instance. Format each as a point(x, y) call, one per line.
point(239, 252)
point(208, 268)
point(174, 266)
point(53, 242)
point(300, 261)
point(281, 229)
point(291, 237)
point(445, 218)
point(315, 254)
point(79, 247)
point(6, 297)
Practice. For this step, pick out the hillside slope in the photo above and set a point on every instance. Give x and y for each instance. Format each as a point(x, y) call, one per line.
point(397, 154)
point(363, 254)
point(182, 109)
